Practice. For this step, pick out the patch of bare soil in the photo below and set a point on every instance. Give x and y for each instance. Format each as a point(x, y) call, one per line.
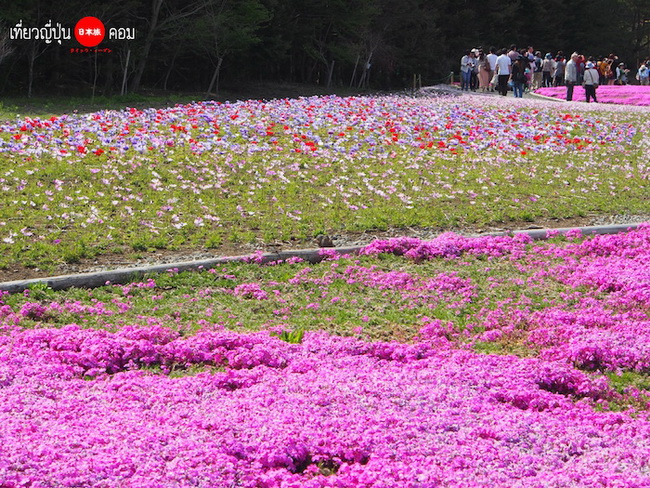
point(110, 261)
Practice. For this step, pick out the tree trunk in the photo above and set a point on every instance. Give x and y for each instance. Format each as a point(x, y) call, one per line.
point(109, 71)
point(354, 73)
point(5, 46)
point(95, 73)
point(329, 75)
point(365, 74)
point(148, 42)
point(214, 82)
point(126, 71)
point(170, 69)
point(30, 74)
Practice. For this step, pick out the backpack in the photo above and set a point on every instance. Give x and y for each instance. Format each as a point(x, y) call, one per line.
point(518, 73)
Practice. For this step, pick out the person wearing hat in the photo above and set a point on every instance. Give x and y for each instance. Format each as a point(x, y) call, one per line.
point(590, 81)
point(643, 74)
point(548, 66)
point(484, 72)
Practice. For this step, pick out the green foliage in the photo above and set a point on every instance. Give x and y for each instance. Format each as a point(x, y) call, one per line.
point(292, 337)
point(623, 380)
point(302, 40)
point(185, 300)
point(40, 291)
point(633, 391)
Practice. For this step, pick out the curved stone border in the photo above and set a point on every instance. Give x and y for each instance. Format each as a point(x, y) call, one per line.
point(125, 275)
point(546, 97)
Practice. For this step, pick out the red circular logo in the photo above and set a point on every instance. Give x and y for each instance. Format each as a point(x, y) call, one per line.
point(89, 31)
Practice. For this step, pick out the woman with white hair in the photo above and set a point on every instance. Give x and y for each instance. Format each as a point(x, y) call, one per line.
point(571, 76)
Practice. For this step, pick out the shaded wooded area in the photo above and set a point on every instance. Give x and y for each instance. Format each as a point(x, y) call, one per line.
point(200, 45)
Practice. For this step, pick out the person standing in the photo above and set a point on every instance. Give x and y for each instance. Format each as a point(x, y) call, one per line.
point(484, 75)
point(611, 72)
point(571, 76)
point(537, 70)
point(503, 70)
point(591, 79)
point(465, 71)
point(529, 66)
point(558, 74)
point(644, 74)
point(492, 59)
point(621, 74)
point(581, 67)
point(519, 80)
point(513, 54)
point(548, 66)
point(473, 84)
point(603, 67)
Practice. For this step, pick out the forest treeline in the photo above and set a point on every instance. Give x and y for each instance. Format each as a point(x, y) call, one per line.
point(201, 45)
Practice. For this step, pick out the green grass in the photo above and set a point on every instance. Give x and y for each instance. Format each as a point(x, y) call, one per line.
point(626, 379)
point(64, 210)
point(324, 299)
point(45, 107)
point(83, 220)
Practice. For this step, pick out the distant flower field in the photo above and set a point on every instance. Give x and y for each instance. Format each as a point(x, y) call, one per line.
point(633, 95)
point(203, 175)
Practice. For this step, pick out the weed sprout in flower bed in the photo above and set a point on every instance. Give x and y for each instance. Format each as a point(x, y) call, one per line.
point(635, 95)
point(209, 174)
point(519, 364)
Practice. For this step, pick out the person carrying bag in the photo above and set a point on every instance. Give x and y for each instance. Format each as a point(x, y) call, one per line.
point(590, 81)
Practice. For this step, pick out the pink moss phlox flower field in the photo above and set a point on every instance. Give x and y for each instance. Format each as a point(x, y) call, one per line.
point(111, 407)
point(377, 414)
point(604, 327)
point(636, 95)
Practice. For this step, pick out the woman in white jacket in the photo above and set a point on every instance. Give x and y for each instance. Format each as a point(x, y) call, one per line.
point(590, 81)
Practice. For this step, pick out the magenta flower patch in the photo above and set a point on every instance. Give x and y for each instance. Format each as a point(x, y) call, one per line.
point(147, 406)
point(623, 95)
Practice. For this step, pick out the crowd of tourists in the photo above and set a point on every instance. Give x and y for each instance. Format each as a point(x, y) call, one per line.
point(526, 69)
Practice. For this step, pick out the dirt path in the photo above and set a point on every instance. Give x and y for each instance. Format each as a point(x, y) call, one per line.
point(113, 261)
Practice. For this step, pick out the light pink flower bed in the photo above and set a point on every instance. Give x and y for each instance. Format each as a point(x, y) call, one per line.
point(624, 95)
